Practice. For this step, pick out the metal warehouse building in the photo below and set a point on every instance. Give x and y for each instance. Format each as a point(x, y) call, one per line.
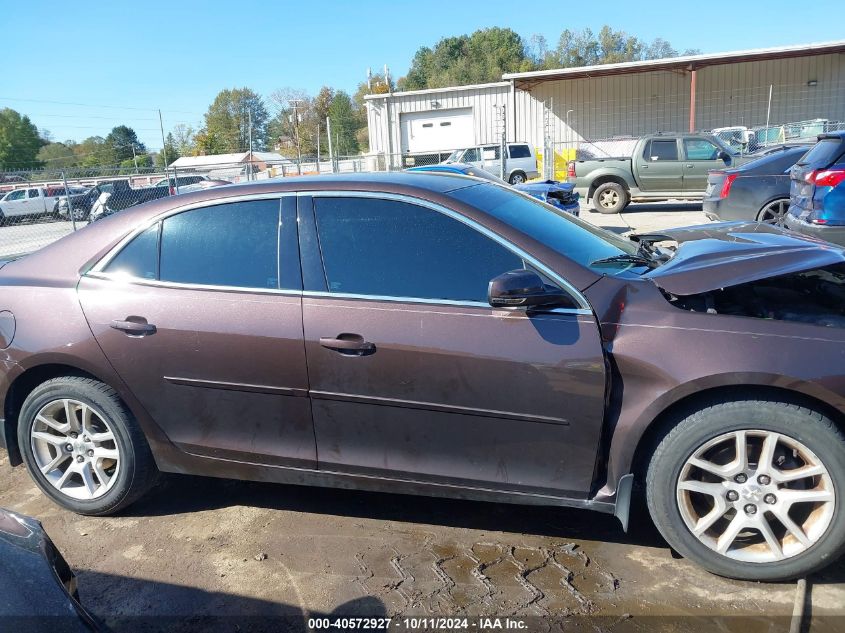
point(786, 91)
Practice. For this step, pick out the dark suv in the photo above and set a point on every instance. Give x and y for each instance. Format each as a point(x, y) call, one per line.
point(815, 207)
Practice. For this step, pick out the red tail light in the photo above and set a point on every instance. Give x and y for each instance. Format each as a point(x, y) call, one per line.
point(828, 177)
point(570, 169)
point(726, 185)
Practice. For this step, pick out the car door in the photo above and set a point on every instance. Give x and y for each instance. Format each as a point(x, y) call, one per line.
point(658, 166)
point(34, 202)
point(491, 157)
point(414, 376)
point(14, 203)
point(472, 156)
point(200, 314)
point(700, 156)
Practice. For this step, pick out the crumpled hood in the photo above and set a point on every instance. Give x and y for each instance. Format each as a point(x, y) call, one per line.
point(546, 186)
point(713, 256)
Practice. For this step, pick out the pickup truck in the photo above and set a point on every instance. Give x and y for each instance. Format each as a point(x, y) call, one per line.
point(661, 167)
point(32, 201)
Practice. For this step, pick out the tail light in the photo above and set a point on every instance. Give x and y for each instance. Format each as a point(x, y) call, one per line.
point(570, 169)
point(826, 177)
point(726, 185)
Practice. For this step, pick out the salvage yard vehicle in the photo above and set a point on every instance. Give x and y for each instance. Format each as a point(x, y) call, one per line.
point(442, 336)
point(521, 160)
point(661, 167)
point(559, 194)
point(758, 190)
point(817, 205)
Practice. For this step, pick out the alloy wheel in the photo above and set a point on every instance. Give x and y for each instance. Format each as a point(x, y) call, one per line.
point(608, 199)
point(75, 449)
point(774, 212)
point(756, 496)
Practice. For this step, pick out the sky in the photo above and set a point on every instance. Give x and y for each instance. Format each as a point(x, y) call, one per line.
point(80, 68)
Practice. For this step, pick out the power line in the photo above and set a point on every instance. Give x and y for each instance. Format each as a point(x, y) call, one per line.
point(92, 105)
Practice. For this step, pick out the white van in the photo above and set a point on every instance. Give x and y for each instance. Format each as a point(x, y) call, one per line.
point(521, 161)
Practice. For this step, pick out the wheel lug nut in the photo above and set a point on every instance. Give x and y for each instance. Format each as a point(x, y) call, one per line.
point(90, 453)
point(770, 499)
point(741, 478)
point(80, 458)
point(732, 495)
point(69, 448)
point(764, 480)
point(74, 435)
point(751, 509)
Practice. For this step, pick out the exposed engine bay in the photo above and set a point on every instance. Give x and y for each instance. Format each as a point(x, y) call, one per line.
point(814, 296)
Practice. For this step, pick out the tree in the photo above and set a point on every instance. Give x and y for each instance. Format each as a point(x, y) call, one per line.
point(57, 156)
point(92, 152)
point(121, 144)
point(227, 123)
point(19, 141)
point(480, 57)
point(184, 139)
point(171, 150)
point(344, 124)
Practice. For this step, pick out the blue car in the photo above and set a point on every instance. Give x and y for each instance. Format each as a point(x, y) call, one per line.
point(558, 194)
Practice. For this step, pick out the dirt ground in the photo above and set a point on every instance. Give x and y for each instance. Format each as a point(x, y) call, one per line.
point(258, 556)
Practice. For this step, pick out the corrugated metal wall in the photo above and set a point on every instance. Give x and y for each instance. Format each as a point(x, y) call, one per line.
point(481, 99)
point(640, 103)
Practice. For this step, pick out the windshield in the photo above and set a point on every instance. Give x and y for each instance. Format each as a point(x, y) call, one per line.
point(574, 238)
point(453, 157)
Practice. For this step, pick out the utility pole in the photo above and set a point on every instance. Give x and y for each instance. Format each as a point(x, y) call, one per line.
point(134, 157)
point(249, 174)
point(318, 147)
point(164, 148)
point(329, 134)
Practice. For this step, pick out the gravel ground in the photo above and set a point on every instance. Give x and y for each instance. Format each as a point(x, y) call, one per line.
point(244, 552)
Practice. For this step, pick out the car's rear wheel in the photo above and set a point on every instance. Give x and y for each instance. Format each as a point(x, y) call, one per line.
point(82, 446)
point(774, 212)
point(517, 178)
point(610, 197)
point(751, 489)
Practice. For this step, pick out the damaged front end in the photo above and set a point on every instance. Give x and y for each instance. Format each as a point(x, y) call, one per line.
point(814, 296)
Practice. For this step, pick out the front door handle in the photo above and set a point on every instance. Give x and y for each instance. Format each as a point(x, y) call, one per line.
point(348, 343)
point(689, 166)
point(138, 327)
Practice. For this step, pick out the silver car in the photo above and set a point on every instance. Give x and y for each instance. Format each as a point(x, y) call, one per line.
point(521, 160)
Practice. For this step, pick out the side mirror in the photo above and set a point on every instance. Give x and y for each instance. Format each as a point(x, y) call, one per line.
point(725, 156)
point(525, 289)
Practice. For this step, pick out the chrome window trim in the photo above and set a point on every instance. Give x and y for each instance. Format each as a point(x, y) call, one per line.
point(106, 259)
point(97, 272)
point(434, 206)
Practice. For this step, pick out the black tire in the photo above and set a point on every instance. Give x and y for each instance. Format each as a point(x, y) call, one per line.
point(610, 197)
point(137, 472)
point(517, 177)
point(814, 430)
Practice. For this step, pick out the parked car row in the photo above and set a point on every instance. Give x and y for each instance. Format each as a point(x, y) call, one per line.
point(33, 201)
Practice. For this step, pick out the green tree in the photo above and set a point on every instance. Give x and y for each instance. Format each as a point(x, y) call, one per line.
point(344, 124)
point(19, 141)
point(57, 156)
point(120, 143)
point(227, 123)
point(171, 151)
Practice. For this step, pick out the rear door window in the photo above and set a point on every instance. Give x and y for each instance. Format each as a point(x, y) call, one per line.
point(661, 149)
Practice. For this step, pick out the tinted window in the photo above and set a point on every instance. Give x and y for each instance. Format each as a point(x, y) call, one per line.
point(395, 249)
point(138, 258)
point(824, 153)
point(563, 232)
point(520, 151)
point(700, 149)
point(661, 150)
point(225, 245)
point(16, 195)
point(33, 193)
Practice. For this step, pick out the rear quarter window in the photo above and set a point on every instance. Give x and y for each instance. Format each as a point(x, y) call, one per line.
point(520, 151)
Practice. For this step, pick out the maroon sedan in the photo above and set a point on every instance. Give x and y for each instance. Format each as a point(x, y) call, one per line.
point(440, 335)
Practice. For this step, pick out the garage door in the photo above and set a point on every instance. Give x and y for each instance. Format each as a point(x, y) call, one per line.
point(436, 130)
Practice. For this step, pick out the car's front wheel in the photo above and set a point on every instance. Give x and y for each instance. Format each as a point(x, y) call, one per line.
point(751, 489)
point(82, 446)
point(517, 178)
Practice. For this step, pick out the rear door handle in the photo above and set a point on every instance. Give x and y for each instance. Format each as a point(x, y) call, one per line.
point(136, 328)
point(689, 166)
point(350, 343)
